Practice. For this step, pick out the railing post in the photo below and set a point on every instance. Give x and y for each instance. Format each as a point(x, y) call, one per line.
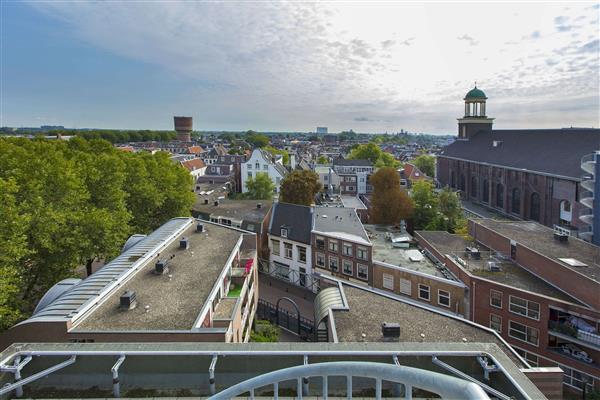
point(325, 388)
point(276, 391)
point(407, 391)
point(378, 389)
point(349, 387)
point(19, 389)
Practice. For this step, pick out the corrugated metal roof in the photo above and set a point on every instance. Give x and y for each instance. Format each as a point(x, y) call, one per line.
point(328, 298)
point(74, 302)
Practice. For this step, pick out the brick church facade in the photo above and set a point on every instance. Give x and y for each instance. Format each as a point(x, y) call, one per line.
point(532, 174)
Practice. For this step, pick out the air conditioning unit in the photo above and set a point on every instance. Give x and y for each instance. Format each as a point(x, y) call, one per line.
point(127, 301)
point(184, 243)
point(161, 267)
point(390, 331)
point(493, 266)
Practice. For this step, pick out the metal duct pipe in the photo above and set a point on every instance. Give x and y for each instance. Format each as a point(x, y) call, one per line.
point(115, 377)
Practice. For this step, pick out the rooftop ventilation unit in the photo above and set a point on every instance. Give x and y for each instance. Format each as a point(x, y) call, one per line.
point(473, 252)
point(127, 301)
point(161, 267)
point(216, 203)
point(259, 205)
point(493, 266)
point(561, 234)
point(390, 331)
point(200, 228)
point(206, 201)
point(184, 243)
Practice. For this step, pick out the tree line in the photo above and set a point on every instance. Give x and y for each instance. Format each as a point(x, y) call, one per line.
point(67, 203)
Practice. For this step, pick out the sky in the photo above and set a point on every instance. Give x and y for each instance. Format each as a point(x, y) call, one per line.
point(293, 66)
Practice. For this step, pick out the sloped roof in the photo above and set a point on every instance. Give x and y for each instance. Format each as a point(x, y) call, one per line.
point(354, 163)
point(548, 151)
point(296, 218)
point(413, 172)
point(194, 164)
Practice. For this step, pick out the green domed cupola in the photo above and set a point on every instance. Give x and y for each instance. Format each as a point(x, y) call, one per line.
point(475, 93)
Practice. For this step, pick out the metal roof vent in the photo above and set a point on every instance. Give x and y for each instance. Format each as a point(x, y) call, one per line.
point(390, 331)
point(184, 243)
point(206, 201)
point(259, 205)
point(127, 301)
point(161, 267)
point(200, 228)
point(216, 203)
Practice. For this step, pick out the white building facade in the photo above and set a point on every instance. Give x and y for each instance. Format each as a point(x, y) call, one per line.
point(259, 162)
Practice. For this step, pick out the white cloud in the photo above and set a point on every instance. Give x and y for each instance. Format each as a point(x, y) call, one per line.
point(375, 67)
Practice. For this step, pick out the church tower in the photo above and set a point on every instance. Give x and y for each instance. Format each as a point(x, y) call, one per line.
point(475, 120)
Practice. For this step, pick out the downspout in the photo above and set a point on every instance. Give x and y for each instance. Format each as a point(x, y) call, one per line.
point(211, 374)
point(115, 376)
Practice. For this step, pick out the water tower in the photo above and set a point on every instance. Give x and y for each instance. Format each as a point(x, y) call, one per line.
point(184, 127)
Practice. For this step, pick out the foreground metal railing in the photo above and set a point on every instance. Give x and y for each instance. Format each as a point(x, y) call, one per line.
point(445, 386)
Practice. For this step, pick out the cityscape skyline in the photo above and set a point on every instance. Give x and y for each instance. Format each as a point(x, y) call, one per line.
point(345, 66)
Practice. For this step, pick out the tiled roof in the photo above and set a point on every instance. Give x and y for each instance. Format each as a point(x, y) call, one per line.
point(297, 219)
point(549, 151)
point(195, 149)
point(193, 165)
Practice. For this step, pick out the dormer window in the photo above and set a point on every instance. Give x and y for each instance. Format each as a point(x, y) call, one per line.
point(257, 165)
point(284, 232)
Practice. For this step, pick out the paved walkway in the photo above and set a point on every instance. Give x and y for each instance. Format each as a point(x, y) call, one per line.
point(271, 290)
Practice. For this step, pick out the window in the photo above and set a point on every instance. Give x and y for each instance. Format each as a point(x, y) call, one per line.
point(474, 186)
point(523, 333)
point(531, 358)
point(333, 263)
point(265, 167)
point(361, 252)
point(333, 245)
point(249, 166)
point(444, 298)
point(288, 250)
point(362, 271)
point(534, 209)
point(282, 271)
point(423, 292)
point(499, 195)
point(351, 188)
point(277, 180)
point(251, 227)
point(574, 379)
point(284, 232)
point(320, 260)
point(516, 201)
point(348, 270)
point(320, 243)
point(388, 281)
point(496, 323)
point(257, 166)
point(249, 174)
point(486, 191)
point(347, 249)
point(406, 287)
point(495, 298)
point(529, 309)
point(302, 254)
point(275, 246)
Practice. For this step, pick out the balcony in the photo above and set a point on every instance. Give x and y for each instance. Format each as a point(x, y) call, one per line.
point(588, 163)
point(568, 332)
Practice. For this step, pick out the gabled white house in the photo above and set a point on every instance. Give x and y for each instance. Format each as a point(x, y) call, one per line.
point(262, 161)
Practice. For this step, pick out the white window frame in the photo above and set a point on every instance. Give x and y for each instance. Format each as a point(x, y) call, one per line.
point(525, 310)
point(322, 257)
point(347, 246)
point(320, 239)
point(440, 296)
point(288, 251)
point(276, 250)
point(300, 260)
point(428, 292)
point(527, 334)
point(501, 299)
point(360, 251)
point(332, 243)
point(284, 232)
point(387, 281)
point(344, 264)
point(494, 323)
point(337, 264)
point(366, 268)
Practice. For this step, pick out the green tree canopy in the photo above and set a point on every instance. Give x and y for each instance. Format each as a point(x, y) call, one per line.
point(260, 188)
point(373, 153)
point(68, 203)
point(426, 164)
point(300, 187)
point(322, 160)
point(256, 139)
point(426, 205)
point(389, 204)
point(273, 150)
point(437, 211)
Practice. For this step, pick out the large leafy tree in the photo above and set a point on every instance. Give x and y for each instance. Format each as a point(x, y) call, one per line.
point(426, 164)
point(373, 153)
point(389, 203)
point(260, 188)
point(283, 153)
point(66, 204)
point(300, 187)
point(256, 139)
point(426, 206)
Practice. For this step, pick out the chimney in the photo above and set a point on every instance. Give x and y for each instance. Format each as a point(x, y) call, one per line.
point(184, 243)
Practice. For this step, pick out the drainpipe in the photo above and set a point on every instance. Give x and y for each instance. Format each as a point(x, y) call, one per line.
point(211, 374)
point(115, 376)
